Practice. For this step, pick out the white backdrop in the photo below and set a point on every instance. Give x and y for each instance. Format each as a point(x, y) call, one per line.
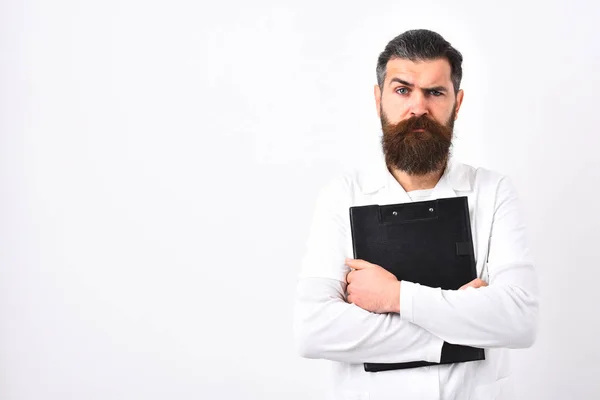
point(159, 163)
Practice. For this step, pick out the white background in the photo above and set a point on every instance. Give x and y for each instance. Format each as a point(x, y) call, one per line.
point(159, 163)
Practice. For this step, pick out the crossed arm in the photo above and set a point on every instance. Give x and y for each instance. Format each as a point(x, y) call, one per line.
point(375, 318)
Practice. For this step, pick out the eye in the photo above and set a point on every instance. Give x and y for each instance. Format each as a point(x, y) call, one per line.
point(402, 90)
point(435, 93)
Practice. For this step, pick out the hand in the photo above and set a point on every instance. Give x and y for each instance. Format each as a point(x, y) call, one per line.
point(475, 283)
point(372, 288)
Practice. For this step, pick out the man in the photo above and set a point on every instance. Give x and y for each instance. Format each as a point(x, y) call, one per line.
point(352, 311)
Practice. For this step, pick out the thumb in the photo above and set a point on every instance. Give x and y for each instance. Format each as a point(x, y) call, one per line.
point(358, 264)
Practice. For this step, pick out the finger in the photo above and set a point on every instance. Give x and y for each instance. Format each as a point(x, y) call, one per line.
point(349, 277)
point(475, 283)
point(469, 284)
point(358, 264)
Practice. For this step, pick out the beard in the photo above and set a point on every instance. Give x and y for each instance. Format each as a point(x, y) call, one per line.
point(417, 152)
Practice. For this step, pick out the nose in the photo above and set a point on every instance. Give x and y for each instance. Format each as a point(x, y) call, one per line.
point(418, 105)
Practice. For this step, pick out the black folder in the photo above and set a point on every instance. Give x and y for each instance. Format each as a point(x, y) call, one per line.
point(426, 242)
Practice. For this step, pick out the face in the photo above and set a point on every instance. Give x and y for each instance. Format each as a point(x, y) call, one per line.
point(417, 108)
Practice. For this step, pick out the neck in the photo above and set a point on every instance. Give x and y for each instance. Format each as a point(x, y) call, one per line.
point(416, 182)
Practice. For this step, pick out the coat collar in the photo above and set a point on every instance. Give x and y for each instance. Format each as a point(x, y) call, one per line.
point(456, 177)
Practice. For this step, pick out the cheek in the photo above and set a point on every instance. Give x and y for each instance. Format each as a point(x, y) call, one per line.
point(394, 109)
point(442, 114)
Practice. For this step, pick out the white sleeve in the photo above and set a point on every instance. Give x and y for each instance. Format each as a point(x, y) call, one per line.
point(503, 314)
point(325, 325)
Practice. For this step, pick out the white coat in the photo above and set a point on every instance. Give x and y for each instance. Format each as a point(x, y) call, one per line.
point(498, 317)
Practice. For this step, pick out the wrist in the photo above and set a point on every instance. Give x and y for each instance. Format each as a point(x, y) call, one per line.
point(394, 297)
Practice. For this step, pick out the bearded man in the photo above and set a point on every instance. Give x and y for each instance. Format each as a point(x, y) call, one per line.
point(353, 312)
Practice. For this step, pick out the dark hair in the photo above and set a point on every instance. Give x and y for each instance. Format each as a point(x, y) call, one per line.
point(418, 45)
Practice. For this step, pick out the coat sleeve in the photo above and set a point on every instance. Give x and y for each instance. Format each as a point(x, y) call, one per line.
point(325, 325)
point(503, 314)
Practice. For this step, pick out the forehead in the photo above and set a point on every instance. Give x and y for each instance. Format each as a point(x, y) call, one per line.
point(423, 73)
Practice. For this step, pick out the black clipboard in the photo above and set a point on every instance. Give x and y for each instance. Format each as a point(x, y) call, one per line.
point(426, 242)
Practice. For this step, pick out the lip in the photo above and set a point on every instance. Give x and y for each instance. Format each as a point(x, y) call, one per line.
point(418, 130)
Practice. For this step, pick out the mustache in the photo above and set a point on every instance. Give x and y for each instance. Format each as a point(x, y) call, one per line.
point(405, 127)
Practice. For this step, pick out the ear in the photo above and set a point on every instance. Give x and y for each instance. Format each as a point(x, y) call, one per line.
point(459, 99)
point(377, 93)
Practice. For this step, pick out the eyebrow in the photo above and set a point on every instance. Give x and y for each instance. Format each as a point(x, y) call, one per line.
point(405, 83)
